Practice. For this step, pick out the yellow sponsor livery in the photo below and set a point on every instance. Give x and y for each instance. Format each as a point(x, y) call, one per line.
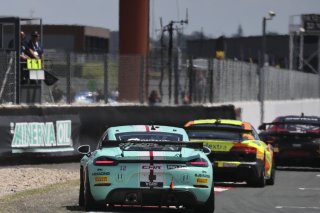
point(101, 179)
point(238, 154)
point(202, 180)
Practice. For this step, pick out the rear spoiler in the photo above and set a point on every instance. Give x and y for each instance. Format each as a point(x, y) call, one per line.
point(187, 144)
point(217, 127)
point(264, 125)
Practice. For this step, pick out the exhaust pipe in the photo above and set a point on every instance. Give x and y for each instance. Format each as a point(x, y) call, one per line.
point(131, 198)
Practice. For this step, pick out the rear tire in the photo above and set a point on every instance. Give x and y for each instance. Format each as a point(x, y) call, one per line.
point(260, 181)
point(270, 181)
point(88, 199)
point(209, 205)
point(81, 191)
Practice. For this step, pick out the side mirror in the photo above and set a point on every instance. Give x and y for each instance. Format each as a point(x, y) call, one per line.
point(262, 127)
point(84, 149)
point(206, 150)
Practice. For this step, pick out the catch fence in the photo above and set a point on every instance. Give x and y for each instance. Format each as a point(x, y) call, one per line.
point(94, 78)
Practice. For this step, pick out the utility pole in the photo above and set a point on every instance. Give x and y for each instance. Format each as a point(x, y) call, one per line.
point(161, 58)
point(170, 28)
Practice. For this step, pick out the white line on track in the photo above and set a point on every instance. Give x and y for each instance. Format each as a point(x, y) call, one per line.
point(297, 207)
point(314, 189)
point(318, 175)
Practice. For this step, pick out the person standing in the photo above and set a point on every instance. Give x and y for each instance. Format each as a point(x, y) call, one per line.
point(23, 58)
point(23, 47)
point(34, 47)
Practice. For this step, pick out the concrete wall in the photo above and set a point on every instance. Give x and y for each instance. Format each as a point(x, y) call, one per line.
point(250, 111)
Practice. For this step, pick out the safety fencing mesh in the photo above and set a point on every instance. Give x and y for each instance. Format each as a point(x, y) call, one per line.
point(104, 78)
point(7, 77)
point(227, 81)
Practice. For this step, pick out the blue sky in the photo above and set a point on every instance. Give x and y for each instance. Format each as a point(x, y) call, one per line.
point(214, 17)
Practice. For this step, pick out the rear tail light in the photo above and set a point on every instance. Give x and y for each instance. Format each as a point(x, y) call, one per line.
point(103, 161)
point(276, 128)
point(200, 162)
point(243, 148)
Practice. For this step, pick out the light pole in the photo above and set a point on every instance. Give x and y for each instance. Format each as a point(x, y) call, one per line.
point(263, 63)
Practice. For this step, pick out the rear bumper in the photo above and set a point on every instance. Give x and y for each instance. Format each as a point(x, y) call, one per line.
point(145, 197)
point(242, 172)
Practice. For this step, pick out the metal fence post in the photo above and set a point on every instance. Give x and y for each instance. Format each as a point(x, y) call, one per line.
point(176, 81)
point(142, 82)
point(210, 68)
point(68, 78)
point(106, 78)
point(319, 63)
point(190, 72)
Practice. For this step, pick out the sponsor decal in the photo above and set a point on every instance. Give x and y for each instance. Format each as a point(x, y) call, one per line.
point(153, 167)
point(216, 147)
point(151, 184)
point(101, 179)
point(100, 173)
point(202, 175)
point(151, 175)
point(202, 180)
point(301, 119)
point(228, 164)
point(169, 167)
point(47, 135)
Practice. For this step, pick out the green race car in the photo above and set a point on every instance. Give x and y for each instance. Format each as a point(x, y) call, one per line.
point(144, 165)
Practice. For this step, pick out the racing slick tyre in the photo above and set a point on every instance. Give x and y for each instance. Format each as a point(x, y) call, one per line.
point(81, 191)
point(270, 181)
point(259, 181)
point(208, 206)
point(89, 203)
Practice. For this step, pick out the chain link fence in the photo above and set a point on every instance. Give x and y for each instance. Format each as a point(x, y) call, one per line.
point(94, 78)
point(219, 81)
point(7, 77)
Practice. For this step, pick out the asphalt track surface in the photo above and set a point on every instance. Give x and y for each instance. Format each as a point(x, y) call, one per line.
point(295, 191)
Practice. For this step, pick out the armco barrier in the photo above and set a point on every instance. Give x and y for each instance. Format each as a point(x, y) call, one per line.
point(31, 132)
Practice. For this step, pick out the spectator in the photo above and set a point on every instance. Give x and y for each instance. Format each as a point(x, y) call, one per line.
point(100, 95)
point(57, 94)
point(23, 47)
point(34, 48)
point(23, 58)
point(154, 98)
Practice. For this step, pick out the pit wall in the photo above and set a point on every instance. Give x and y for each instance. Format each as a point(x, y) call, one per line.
point(51, 131)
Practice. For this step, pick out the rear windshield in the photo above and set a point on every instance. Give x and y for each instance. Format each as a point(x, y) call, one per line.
point(145, 137)
point(217, 135)
point(148, 136)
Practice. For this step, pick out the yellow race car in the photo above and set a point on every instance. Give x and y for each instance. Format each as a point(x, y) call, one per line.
point(237, 152)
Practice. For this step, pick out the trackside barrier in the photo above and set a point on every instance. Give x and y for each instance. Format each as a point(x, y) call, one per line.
point(38, 132)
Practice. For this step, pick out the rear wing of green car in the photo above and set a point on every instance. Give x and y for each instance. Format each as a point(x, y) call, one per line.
point(152, 144)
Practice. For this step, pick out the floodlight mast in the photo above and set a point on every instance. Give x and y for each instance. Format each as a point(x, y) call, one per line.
point(263, 63)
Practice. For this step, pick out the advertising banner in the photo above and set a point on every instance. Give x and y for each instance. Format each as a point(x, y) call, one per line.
point(39, 134)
